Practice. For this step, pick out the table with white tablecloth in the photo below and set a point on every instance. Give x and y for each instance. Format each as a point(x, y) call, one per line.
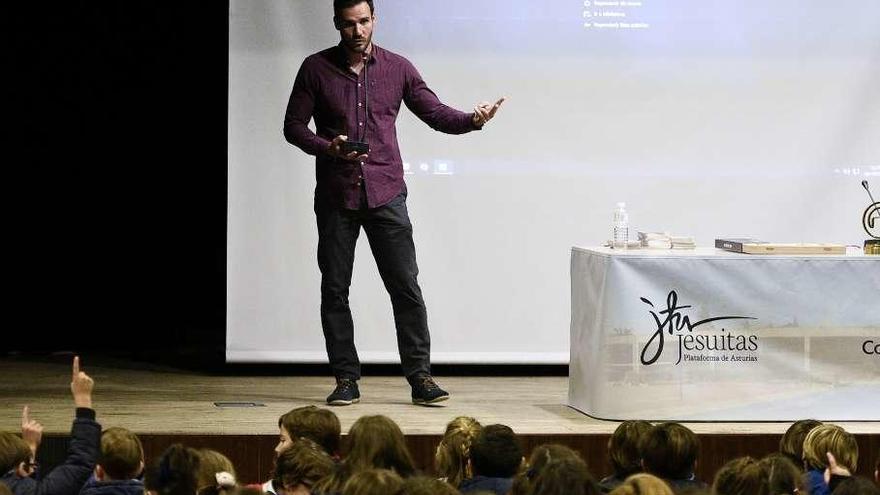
point(705, 334)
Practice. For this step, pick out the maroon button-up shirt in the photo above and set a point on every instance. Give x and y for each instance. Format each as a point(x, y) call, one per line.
point(328, 90)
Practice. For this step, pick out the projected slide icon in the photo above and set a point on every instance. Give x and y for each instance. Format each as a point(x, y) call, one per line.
point(436, 167)
point(443, 167)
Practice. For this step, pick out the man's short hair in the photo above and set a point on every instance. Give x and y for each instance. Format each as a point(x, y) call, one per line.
point(669, 450)
point(834, 439)
point(792, 442)
point(496, 453)
point(319, 425)
point(121, 454)
point(623, 448)
point(304, 463)
point(339, 5)
point(13, 451)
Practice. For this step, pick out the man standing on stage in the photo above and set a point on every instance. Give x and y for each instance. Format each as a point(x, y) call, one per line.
point(353, 91)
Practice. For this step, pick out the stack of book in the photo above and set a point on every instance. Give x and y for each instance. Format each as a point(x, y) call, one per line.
point(665, 240)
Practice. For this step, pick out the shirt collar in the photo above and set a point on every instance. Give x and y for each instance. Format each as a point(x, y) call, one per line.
point(342, 58)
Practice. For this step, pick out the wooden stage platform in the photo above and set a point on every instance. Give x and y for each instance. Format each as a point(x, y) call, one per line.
point(166, 405)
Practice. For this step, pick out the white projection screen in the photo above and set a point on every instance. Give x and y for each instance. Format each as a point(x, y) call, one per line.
point(707, 117)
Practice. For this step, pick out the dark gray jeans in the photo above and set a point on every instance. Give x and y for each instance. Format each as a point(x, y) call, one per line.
point(389, 232)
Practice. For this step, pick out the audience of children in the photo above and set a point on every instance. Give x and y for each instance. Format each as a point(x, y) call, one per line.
point(645, 459)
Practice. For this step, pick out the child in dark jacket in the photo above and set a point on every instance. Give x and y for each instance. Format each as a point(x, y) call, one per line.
point(120, 464)
point(17, 457)
point(496, 457)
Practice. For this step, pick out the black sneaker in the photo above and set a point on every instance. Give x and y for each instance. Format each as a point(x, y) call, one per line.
point(345, 394)
point(426, 391)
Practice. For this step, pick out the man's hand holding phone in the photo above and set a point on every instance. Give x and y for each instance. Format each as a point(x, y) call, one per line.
point(341, 147)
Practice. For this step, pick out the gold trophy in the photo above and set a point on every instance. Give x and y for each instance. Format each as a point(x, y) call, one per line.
point(871, 223)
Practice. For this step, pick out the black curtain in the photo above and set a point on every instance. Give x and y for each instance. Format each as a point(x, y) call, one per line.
point(116, 176)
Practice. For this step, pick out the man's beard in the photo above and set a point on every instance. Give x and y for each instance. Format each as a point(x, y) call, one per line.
point(356, 47)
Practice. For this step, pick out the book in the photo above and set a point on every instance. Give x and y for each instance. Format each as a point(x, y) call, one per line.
point(754, 246)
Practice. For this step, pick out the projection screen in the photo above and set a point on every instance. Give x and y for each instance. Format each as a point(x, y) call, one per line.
point(707, 117)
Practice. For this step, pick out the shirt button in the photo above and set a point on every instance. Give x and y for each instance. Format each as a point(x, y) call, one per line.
point(358, 183)
point(360, 104)
point(359, 84)
point(360, 123)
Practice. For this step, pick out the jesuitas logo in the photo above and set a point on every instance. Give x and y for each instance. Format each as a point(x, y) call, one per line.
point(674, 322)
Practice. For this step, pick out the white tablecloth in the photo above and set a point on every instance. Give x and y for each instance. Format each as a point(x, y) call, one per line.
point(743, 337)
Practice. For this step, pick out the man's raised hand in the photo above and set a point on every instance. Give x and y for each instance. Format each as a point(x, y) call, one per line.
point(81, 385)
point(31, 430)
point(335, 149)
point(485, 111)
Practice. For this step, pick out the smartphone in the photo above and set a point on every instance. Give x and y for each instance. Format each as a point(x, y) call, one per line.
point(356, 146)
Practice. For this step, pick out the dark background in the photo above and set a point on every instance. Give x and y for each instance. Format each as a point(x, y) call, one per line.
point(117, 190)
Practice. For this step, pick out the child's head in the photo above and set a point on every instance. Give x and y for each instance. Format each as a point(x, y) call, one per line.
point(373, 482)
point(742, 476)
point(643, 484)
point(565, 476)
point(783, 475)
point(669, 450)
point(623, 448)
point(496, 452)
point(216, 474)
point(856, 485)
point(792, 442)
point(122, 455)
point(376, 442)
point(422, 485)
point(834, 439)
point(453, 452)
point(174, 473)
point(15, 455)
point(542, 455)
point(319, 425)
point(300, 466)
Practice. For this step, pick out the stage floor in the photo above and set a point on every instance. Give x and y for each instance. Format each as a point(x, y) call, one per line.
point(163, 401)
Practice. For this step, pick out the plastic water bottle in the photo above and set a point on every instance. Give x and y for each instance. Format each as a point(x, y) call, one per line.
point(620, 228)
